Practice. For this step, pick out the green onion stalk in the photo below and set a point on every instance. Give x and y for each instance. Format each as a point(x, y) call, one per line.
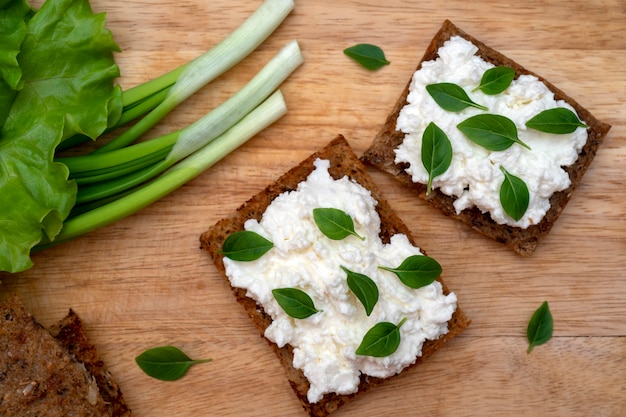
point(106, 174)
point(272, 109)
point(179, 84)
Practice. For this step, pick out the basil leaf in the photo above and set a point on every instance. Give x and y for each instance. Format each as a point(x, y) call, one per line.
point(167, 363)
point(381, 340)
point(514, 195)
point(367, 55)
point(436, 153)
point(539, 329)
point(416, 271)
point(495, 80)
point(491, 131)
point(363, 288)
point(558, 120)
point(451, 97)
point(295, 302)
point(245, 246)
point(335, 224)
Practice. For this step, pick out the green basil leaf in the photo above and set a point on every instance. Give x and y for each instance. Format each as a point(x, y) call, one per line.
point(495, 80)
point(381, 340)
point(491, 131)
point(514, 195)
point(558, 120)
point(295, 302)
point(245, 246)
point(436, 153)
point(416, 271)
point(451, 97)
point(367, 55)
point(335, 224)
point(363, 288)
point(167, 363)
point(539, 329)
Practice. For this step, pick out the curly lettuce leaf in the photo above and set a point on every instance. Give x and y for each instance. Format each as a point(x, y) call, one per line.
point(13, 17)
point(68, 71)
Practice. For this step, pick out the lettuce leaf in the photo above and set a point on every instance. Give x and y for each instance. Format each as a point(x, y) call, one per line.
point(66, 87)
point(13, 17)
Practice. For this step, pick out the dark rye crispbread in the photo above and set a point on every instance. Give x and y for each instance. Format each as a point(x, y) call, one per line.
point(44, 376)
point(523, 241)
point(343, 162)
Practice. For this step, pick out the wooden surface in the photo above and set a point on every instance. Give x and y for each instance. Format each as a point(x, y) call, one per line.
point(144, 282)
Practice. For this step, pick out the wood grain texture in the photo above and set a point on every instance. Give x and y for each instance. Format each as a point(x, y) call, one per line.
point(143, 281)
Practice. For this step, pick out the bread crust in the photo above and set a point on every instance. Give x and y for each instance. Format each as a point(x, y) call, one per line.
point(343, 162)
point(523, 241)
point(70, 333)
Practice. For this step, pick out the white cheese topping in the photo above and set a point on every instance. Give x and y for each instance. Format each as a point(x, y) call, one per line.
point(302, 257)
point(474, 175)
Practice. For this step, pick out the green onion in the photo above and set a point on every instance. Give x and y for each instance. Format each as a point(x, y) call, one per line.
point(261, 117)
point(199, 72)
point(127, 167)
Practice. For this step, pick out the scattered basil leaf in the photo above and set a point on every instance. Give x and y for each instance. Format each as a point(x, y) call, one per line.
point(367, 55)
point(558, 120)
point(167, 363)
point(491, 131)
point(295, 302)
point(245, 246)
point(436, 153)
point(416, 271)
point(495, 80)
point(381, 340)
point(363, 288)
point(514, 195)
point(335, 224)
point(540, 326)
point(451, 97)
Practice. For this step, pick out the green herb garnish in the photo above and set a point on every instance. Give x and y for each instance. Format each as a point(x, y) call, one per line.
point(245, 246)
point(436, 153)
point(416, 271)
point(495, 80)
point(514, 195)
point(491, 131)
point(335, 224)
point(539, 329)
point(558, 120)
point(367, 55)
point(363, 288)
point(451, 97)
point(167, 363)
point(295, 302)
point(381, 340)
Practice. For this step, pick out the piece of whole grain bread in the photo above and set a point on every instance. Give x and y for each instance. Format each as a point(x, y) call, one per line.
point(523, 241)
point(343, 162)
point(39, 376)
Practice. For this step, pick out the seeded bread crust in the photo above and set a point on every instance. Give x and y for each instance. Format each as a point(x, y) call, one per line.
point(343, 162)
point(523, 241)
point(71, 334)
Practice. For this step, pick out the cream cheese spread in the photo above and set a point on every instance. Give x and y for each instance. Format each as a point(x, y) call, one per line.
point(474, 176)
point(324, 344)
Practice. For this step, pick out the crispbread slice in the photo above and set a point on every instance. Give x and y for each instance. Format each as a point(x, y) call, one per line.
point(523, 241)
point(343, 162)
point(38, 376)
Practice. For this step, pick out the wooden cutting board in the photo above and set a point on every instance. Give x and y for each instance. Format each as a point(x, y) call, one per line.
point(144, 282)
